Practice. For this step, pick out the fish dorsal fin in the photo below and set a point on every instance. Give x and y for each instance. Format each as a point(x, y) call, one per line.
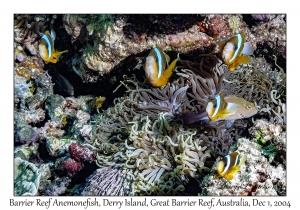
point(221, 46)
point(52, 35)
point(167, 58)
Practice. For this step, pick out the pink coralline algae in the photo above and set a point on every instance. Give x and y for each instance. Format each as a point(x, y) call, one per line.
point(81, 153)
point(72, 166)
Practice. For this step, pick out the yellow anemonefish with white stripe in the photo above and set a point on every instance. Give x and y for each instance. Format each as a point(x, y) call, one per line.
point(46, 48)
point(229, 108)
point(233, 51)
point(230, 165)
point(157, 68)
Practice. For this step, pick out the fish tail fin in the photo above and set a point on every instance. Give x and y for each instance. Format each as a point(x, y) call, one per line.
point(169, 71)
point(243, 160)
point(189, 118)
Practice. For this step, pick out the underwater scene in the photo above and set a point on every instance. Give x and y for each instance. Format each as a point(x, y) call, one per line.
point(149, 104)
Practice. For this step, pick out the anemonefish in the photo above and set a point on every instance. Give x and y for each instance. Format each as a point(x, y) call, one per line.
point(157, 68)
point(229, 108)
point(46, 48)
point(230, 165)
point(233, 51)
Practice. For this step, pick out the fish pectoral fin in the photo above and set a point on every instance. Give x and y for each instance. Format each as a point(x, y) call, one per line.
point(56, 55)
point(243, 59)
point(233, 66)
point(232, 172)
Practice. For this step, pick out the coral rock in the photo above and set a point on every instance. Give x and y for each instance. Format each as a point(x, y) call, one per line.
point(81, 153)
point(26, 178)
point(72, 166)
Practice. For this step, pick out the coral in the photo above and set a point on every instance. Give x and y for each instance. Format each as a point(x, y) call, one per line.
point(81, 153)
point(26, 134)
point(57, 147)
point(257, 177)
point(82, 117)
point(114, 180)
point(275, 35)
point(268, 129)
point(86, 131)
point(26, 178)
point(114, 46)
point(30, 116)
point(51, 128)
point(54, 105)
point(21, 90)
point(56, 187)
point(26, 151)
point(263, 17)
point(271, 138)
point(72, 166)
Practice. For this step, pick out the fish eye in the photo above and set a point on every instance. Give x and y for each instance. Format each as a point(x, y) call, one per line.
point(235, 47)
point(215, 105)
point(248, 106)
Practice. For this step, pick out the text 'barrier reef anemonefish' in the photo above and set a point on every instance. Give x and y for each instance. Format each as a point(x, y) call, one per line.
point(157, 68)
point(233, 51)
point(229, 108)
point(230, 165)
point(46, 48)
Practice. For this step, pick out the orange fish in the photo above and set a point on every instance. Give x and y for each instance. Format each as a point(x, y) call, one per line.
point(233, 51)
point(230, 165)
point(229, 108)
point(46, 48)
point(157, 68)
